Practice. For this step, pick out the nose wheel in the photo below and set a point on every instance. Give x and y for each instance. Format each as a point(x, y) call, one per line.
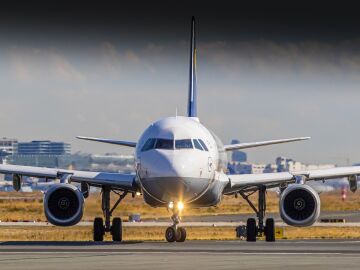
point(175, 233)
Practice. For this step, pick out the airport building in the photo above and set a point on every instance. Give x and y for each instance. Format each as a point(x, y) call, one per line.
point(42, 153)
point(282, 164)
point(7, 146)
point(43, 148)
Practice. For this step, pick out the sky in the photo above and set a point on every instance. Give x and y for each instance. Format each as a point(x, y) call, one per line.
point(110, 70)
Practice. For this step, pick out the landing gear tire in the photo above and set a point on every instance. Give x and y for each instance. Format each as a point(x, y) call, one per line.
point(270, 230)
point(116, 230)
point(181, 234)
point(251, 230)
point(99, 230)
point(170, 234)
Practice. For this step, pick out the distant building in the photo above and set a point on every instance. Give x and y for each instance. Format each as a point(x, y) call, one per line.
point(238, 156)
point(249, 168)
point(270, 168)
point(49, 161)
point(282, 164)
point(37, 153)
point(287, 164)
point(7, 146)
point(43, 148)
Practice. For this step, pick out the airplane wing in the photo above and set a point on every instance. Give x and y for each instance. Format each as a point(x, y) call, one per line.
point(232, 147)
point(238, 182)
point(118, 181)
point(124, 143)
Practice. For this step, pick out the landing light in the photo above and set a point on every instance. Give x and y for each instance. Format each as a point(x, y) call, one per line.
point(171, 205)
point(180, 206)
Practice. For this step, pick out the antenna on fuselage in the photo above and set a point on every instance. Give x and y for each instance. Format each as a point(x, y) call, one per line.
point(192, 102)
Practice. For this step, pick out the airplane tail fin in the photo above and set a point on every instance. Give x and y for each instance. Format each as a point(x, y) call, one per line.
point(192, 102)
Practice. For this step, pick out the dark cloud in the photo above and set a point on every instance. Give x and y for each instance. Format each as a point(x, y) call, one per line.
point(169, 19)
point(105, 69)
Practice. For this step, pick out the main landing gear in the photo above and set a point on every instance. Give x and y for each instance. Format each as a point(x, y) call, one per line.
point(175, 233)
point(252, 230)
point(100, 228)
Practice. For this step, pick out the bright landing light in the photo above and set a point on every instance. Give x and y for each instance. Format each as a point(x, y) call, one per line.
point(180, 206)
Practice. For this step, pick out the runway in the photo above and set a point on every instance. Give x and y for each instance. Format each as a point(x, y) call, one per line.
point(185, 224)
point(351, 219)
point(319, 254)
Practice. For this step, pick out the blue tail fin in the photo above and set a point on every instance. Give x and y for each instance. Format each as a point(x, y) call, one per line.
point(192, 102)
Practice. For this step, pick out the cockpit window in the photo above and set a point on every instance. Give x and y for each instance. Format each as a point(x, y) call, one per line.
point(183, 144)
point(150, 143)
point(164, 144)
point(203, 145)
point(197, 145)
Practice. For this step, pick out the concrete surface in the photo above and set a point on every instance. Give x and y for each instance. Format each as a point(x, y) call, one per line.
point(314, 254)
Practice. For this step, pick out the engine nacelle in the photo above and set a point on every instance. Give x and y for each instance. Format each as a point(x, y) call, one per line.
point(299, 205)
point(63, 205)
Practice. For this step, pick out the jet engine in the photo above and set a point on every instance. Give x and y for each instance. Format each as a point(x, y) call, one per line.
point(299, 205)
point(63, 205)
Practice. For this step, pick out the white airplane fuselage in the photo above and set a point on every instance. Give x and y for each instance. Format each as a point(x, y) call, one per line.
point(174, 165)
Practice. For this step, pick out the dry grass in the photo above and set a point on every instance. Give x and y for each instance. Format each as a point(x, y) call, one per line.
point(84, 233)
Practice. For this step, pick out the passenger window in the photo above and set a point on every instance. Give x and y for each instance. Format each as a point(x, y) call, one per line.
point(203, 145)
point(150, 143)
point(164, 144)
point(197, 145)
point(183, 144)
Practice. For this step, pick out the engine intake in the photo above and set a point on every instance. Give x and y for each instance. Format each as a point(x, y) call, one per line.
point(299, 205)
point(63, 205)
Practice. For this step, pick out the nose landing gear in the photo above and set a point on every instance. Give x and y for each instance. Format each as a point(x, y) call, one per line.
point(175, 233)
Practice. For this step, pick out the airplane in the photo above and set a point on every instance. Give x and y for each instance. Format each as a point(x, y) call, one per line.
point(181, 163)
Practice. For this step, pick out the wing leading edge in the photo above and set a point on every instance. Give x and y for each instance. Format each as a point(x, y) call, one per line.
point(253, 181)
point(123, 143)
point(232, 147)
point(115, 180)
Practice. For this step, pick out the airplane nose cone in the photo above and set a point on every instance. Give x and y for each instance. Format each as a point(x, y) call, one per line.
point(171, 177)
point(159, 164)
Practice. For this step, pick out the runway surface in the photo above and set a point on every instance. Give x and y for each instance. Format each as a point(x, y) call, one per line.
point(351, 218)
point(185, 224)
point(314, 254)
